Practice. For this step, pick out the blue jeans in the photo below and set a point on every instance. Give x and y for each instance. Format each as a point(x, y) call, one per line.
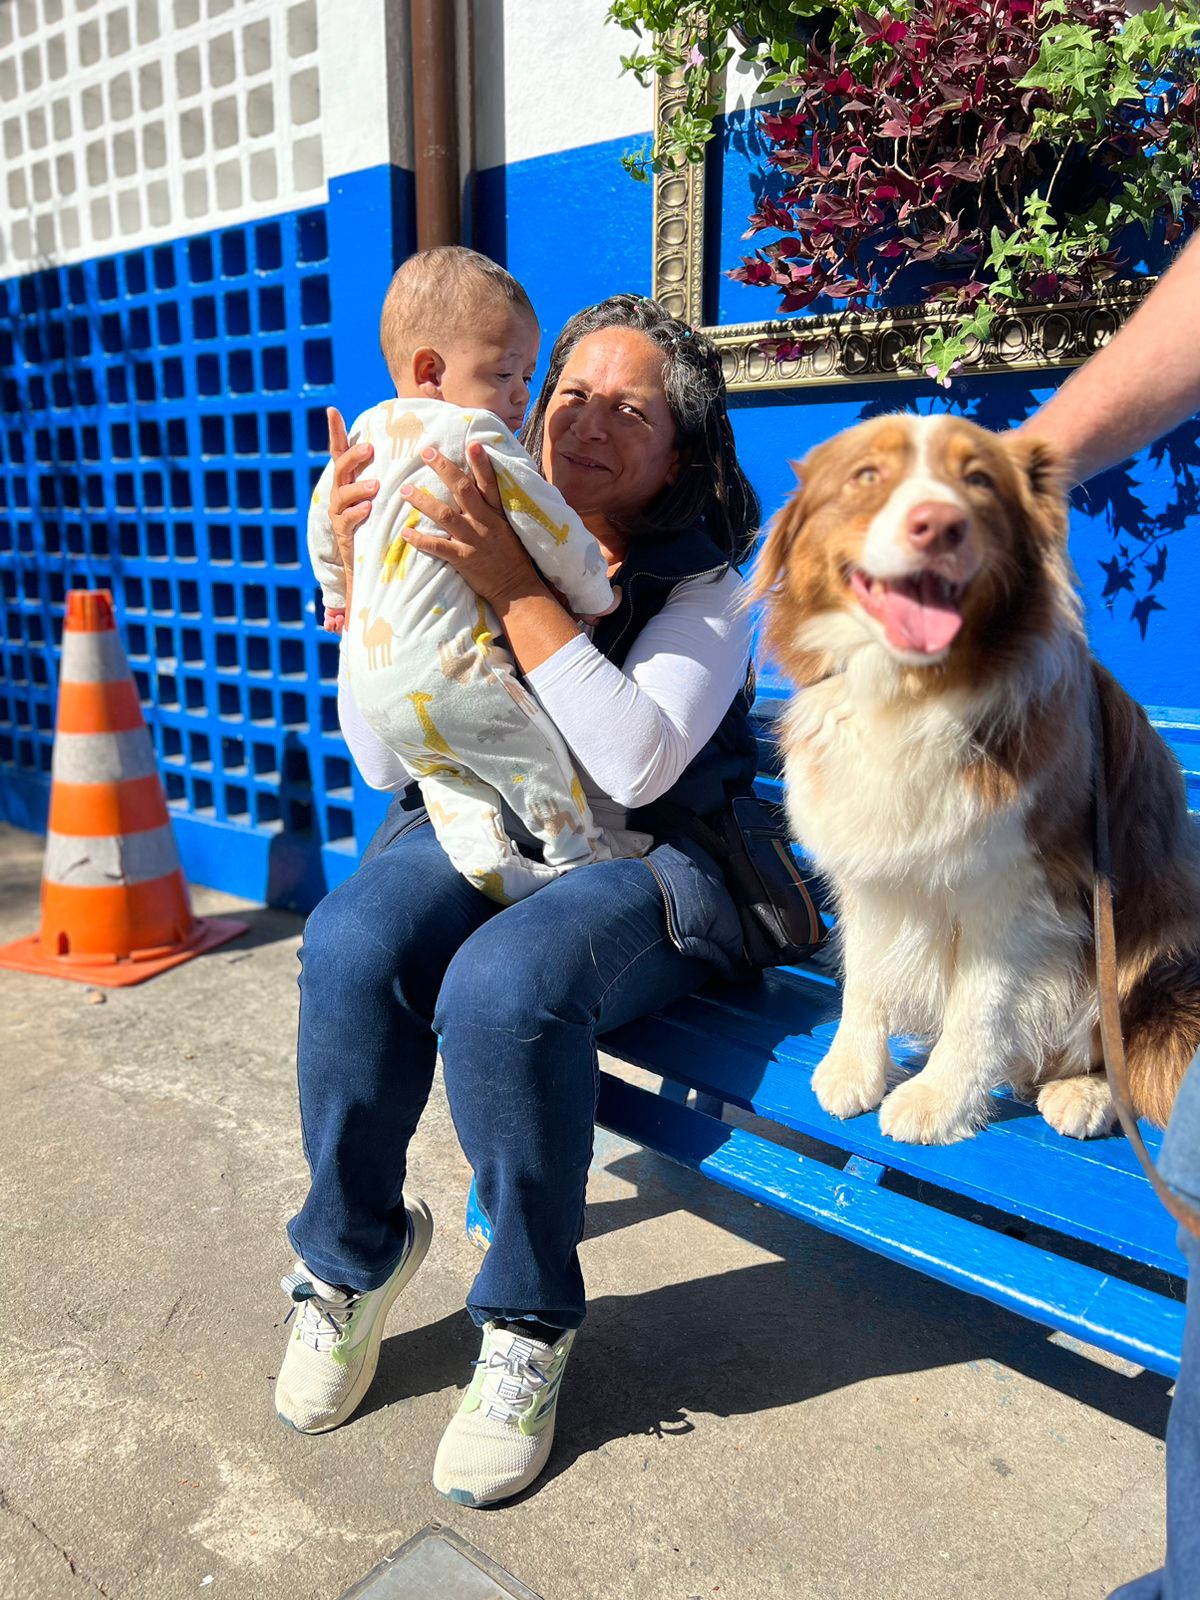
point(1179, 1579)
point(405, 954)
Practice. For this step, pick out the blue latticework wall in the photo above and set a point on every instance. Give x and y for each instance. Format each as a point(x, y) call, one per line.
point(165, 423)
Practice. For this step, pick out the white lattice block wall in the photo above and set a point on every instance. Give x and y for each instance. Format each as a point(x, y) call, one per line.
point(126, 122)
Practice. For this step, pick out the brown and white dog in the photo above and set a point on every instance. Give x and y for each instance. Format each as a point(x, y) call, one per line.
point(938, 765)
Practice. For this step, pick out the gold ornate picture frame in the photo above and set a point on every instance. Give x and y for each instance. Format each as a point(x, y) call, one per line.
point(848, 346)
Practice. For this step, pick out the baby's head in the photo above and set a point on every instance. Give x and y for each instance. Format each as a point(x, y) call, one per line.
point(457, 327)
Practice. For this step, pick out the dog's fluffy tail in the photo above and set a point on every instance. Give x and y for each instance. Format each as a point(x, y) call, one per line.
point(1160, 1018)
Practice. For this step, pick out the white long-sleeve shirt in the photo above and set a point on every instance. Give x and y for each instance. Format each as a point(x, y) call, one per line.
point(632, 729)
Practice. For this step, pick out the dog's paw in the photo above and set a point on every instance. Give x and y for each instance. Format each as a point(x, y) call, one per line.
point(926, 1112)
point(845, 1087)
point(1081, 1107)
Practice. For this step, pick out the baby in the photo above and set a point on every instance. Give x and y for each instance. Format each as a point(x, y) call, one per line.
point(461, 340)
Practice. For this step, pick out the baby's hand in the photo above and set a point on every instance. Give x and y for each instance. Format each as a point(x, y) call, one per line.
point(608, 610)
point(335, 619)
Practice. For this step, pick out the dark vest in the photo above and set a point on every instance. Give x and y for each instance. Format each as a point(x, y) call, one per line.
point(653, 568)
point(702, 920)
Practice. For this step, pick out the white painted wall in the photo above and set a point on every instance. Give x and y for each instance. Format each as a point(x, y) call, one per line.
point(548, 77)
point(741, 85)
point(365, 84)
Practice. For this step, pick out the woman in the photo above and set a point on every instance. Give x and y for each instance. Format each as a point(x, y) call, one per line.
point(631, 426)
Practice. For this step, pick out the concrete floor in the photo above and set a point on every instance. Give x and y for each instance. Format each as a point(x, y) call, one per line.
point(754, 1410)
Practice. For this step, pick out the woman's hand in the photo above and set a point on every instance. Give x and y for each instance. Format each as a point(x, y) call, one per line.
point(476, 539)
point(479, 544)
point(350, 497)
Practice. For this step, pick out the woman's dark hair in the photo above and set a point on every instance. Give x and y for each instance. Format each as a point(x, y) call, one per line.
point(711, 489)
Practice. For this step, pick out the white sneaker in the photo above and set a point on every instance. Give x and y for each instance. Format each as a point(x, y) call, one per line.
point(333, 1351)
point(499, 1438)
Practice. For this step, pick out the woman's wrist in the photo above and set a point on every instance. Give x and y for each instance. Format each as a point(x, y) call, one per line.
point(533, 622)
point(524, 584)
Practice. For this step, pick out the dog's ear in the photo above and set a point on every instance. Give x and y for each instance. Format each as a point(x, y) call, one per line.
point(1043, 483)
point(773, 553)
point(785, 529)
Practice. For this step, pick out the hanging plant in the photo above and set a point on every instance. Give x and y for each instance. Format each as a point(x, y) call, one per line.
point(693, 41)
point(998, 147)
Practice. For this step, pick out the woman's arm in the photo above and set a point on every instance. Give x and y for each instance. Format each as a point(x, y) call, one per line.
point(635, 729)
point(477, 541)
point(380, 767)
point(1142, 384)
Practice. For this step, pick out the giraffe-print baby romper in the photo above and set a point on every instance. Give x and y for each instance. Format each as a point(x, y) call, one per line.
point(426, 669)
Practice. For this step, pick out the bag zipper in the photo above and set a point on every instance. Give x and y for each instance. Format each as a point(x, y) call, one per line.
point(662, 889)
point(690, 577)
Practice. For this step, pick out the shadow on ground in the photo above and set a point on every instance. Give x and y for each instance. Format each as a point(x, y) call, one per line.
point(770, 1335)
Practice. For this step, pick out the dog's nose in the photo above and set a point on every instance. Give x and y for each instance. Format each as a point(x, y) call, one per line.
point(935, 526)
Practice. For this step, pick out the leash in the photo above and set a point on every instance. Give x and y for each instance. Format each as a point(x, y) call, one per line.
point(1111, 1039)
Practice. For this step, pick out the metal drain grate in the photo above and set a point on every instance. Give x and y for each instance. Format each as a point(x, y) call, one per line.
point(436, 1564)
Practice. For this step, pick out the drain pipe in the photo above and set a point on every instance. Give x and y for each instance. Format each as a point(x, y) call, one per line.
point(435, 122)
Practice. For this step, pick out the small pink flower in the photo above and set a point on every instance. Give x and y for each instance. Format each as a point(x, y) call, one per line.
point(931, 371)
point(695, 56)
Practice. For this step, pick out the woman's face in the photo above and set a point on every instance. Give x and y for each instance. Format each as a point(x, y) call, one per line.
point(609, 440)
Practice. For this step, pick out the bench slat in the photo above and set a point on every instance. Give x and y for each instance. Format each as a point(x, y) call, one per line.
point(1129, 1321)
point(760, 1057)
point(795, 1012)
point(794, 1015)
point(795, 1002)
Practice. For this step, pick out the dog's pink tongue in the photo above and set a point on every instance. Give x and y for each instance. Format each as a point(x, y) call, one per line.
point(915, 615)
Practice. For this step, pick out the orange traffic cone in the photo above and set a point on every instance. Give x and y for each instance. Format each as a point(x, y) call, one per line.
point(114, 901)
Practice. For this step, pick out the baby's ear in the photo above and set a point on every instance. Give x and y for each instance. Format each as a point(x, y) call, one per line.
point(1043, 483)
point(428, 369)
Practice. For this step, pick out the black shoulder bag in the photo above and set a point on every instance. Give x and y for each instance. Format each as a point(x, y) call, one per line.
point(776, 902)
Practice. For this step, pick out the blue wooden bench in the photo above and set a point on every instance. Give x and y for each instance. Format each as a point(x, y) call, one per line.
point(1100, 1262)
